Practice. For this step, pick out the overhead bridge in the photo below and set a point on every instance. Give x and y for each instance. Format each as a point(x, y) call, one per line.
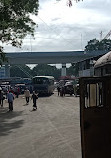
point(57, 57)
point(50, 57)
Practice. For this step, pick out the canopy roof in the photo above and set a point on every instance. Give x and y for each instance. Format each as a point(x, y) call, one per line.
point(48, 77)
point(105, 59)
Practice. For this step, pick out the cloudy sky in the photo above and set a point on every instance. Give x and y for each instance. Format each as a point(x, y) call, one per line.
point(67, 28)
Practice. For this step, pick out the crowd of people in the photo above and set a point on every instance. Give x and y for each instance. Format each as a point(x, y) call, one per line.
point(68, 88)
point(61, 91)
point(10, 94)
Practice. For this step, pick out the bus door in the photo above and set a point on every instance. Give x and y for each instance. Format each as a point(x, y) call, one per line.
point(95, 96)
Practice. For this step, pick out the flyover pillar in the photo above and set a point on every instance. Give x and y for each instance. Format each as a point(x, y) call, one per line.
point(63, 70)
point(7, 70)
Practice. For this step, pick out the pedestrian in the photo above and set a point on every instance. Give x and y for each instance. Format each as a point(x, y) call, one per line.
point(58, 89)
point(34, 97)
point(62, 91)
point(27, 95)
point(16, 90)
point(1, 97)
point(10, 98)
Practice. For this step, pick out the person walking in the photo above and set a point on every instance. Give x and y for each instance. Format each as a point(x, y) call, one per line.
point(10, 98)
point(34, 97)
point(16, 91)
point(62, 91)
point(1, 97)
point(27, 96)
point(58, 89)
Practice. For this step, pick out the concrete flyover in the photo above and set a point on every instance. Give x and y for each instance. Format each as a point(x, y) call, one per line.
point(50, 57)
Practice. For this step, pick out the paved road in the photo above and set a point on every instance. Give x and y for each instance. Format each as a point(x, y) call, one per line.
point(53, 131)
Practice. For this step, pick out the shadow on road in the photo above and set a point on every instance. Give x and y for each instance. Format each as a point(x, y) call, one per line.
point(67, 95)
point(45, 95)
point(9, 121)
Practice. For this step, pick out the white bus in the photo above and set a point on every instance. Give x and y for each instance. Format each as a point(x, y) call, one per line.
point(43, 84)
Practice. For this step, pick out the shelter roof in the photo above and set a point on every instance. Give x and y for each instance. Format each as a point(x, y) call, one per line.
point(105, 59)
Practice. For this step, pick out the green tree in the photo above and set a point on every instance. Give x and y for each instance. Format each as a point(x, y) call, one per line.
point(15, 21)
point(70, 71)
point(2, 56)
point(94, 45)
point(105, 44)
point(69, 2)
point(75, 69)
point(46, 70)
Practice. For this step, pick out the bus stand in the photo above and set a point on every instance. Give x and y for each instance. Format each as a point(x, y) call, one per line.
point(95, 111)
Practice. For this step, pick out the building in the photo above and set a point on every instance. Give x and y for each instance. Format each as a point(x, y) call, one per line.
point(2, 72)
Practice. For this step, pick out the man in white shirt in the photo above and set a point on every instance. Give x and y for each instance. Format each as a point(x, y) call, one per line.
point(27, 95)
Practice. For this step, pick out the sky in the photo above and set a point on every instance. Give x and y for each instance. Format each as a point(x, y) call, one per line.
point(67, 28)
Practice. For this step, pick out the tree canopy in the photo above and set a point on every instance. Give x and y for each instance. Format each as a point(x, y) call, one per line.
point(39, 70)
point(69, 2)
point(95, 44)
point(46, 70)
point(15, 20)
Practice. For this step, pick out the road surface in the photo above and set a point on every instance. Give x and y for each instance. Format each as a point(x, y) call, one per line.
point(53, 131)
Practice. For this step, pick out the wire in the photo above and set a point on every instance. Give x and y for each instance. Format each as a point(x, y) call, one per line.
point(55, 31)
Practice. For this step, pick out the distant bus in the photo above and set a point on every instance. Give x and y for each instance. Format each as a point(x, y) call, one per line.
point(43, 84)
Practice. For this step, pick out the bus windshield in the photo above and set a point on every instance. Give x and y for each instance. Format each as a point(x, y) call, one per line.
point(40, 80)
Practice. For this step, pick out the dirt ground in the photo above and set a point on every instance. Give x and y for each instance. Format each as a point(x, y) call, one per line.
point(53, 131)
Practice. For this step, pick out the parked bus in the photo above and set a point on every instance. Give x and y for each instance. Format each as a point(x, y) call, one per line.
point(95, 110)
point(43, 84)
